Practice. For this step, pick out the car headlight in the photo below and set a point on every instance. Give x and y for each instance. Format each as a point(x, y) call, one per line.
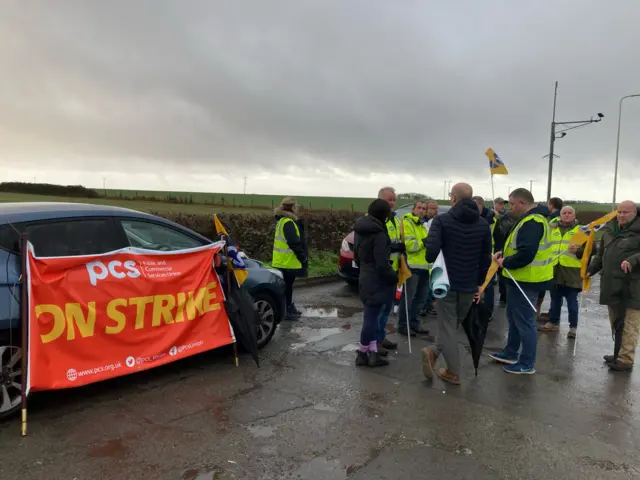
point(276, 272)
point(345, 246)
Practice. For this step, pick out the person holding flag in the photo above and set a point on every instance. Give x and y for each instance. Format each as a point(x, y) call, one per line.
point(567, 280)
point(397, 249)
point(290, 254)
point(618, 261)
point(527, 263)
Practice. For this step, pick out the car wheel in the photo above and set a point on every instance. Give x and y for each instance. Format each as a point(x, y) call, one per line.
point(267, 318)
point(10, 379)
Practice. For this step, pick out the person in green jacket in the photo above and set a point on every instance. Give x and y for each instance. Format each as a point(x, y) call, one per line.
point(618, 261)
point(416, 288)
point(567, 282)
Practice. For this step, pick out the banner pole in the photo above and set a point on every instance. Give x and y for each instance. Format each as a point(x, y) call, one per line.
point(24, 327)
point(493, 192)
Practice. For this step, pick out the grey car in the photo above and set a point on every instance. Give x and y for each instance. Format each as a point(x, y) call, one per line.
point(63, 229)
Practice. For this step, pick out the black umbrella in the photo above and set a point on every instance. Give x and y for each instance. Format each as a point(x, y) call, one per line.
point(475, 326)
point(243, 315)
point(618, 324)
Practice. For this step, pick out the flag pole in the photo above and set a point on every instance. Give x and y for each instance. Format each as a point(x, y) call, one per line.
point(24, 327)
point(493, 191)
point(406, 306)
point(521, 291)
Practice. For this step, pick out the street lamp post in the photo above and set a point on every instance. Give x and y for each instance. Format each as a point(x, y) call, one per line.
point(615, 171)
point(555, 134)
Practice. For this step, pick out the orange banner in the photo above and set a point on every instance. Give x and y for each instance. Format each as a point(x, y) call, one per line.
point(97, 317)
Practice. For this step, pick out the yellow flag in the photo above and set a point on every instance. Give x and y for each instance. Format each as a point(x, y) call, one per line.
point(492, 271)
point(582, 235)
point(584, 265)
point(496, 167)
point(234, 262)
point(403, 272)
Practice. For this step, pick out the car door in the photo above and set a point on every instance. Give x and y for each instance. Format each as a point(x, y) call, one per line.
point(150, 235)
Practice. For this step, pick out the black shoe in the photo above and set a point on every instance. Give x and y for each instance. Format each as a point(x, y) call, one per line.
point(292, 313)
point(376, 361)
point(608, 358)
point(432, 311)
point(388, 344)
point(383, 351)
point(420, 331)
point(423, 312)
point(403, 331)
point(295, 310)
point(362, 359)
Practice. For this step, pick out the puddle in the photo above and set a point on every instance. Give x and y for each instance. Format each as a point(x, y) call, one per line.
point(352, 347)
point(320, 469)
point(311, 335)
point(319, 311)
point(261, 431)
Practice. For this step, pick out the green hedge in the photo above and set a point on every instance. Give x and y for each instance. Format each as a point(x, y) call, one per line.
point(253, 232)
point(76, 191)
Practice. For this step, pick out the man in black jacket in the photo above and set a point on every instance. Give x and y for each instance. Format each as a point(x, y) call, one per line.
point(465, 242)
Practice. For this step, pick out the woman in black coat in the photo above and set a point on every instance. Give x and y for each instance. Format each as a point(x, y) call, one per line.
point(377, 280)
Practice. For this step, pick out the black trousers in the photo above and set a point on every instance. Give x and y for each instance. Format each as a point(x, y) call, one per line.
point(502, 287)
point(289, 278)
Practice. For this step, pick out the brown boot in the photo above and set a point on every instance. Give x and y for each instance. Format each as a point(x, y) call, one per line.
point(620, 367)
point(429, 358)
point(549, 327)
point(448, 376)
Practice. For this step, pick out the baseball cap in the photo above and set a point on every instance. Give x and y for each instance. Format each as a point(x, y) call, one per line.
point(499, 200)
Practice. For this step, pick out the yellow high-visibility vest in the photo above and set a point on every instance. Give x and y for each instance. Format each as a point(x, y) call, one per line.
point(560, 244)
point(541, 268)
point(283, 256)
point(393, 229)
point(415, 231)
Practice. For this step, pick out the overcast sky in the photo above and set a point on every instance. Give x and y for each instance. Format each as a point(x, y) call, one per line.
point(317, 97)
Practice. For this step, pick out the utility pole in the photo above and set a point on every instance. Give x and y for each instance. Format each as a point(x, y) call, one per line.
point(508, 192)
point(104, 185)
point(552, 142)
point(531, 186)
point(561, 134)
point(244, 190)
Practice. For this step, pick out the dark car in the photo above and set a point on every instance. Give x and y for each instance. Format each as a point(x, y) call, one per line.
point(63, 229)
point(347, 269)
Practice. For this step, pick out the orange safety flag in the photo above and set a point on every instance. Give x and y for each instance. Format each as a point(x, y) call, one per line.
point(588, 248)
point(103, 316)
point(492, 271)
point(404, 273)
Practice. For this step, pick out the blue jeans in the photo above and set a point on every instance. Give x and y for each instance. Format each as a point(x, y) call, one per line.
point(558, 294)
point(383, 318)
point(417, 290)
point(522, 325)
point(370, 324)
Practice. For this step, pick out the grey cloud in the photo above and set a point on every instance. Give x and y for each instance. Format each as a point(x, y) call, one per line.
point(373, 85)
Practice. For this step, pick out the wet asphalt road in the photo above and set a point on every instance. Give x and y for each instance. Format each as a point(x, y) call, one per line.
point(309, 413)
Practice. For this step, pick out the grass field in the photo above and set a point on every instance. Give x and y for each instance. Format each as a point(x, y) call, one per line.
point(142, 205)
point(246, 201)
point(148, 205)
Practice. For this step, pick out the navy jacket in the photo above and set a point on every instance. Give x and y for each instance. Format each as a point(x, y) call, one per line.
point(465, 241)
point(527, 243)
point(488, 215)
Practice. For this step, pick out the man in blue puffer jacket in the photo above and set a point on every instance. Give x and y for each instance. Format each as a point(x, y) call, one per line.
point(464, 238)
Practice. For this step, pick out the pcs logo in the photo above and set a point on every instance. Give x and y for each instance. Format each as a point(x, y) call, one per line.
point(99, 271)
